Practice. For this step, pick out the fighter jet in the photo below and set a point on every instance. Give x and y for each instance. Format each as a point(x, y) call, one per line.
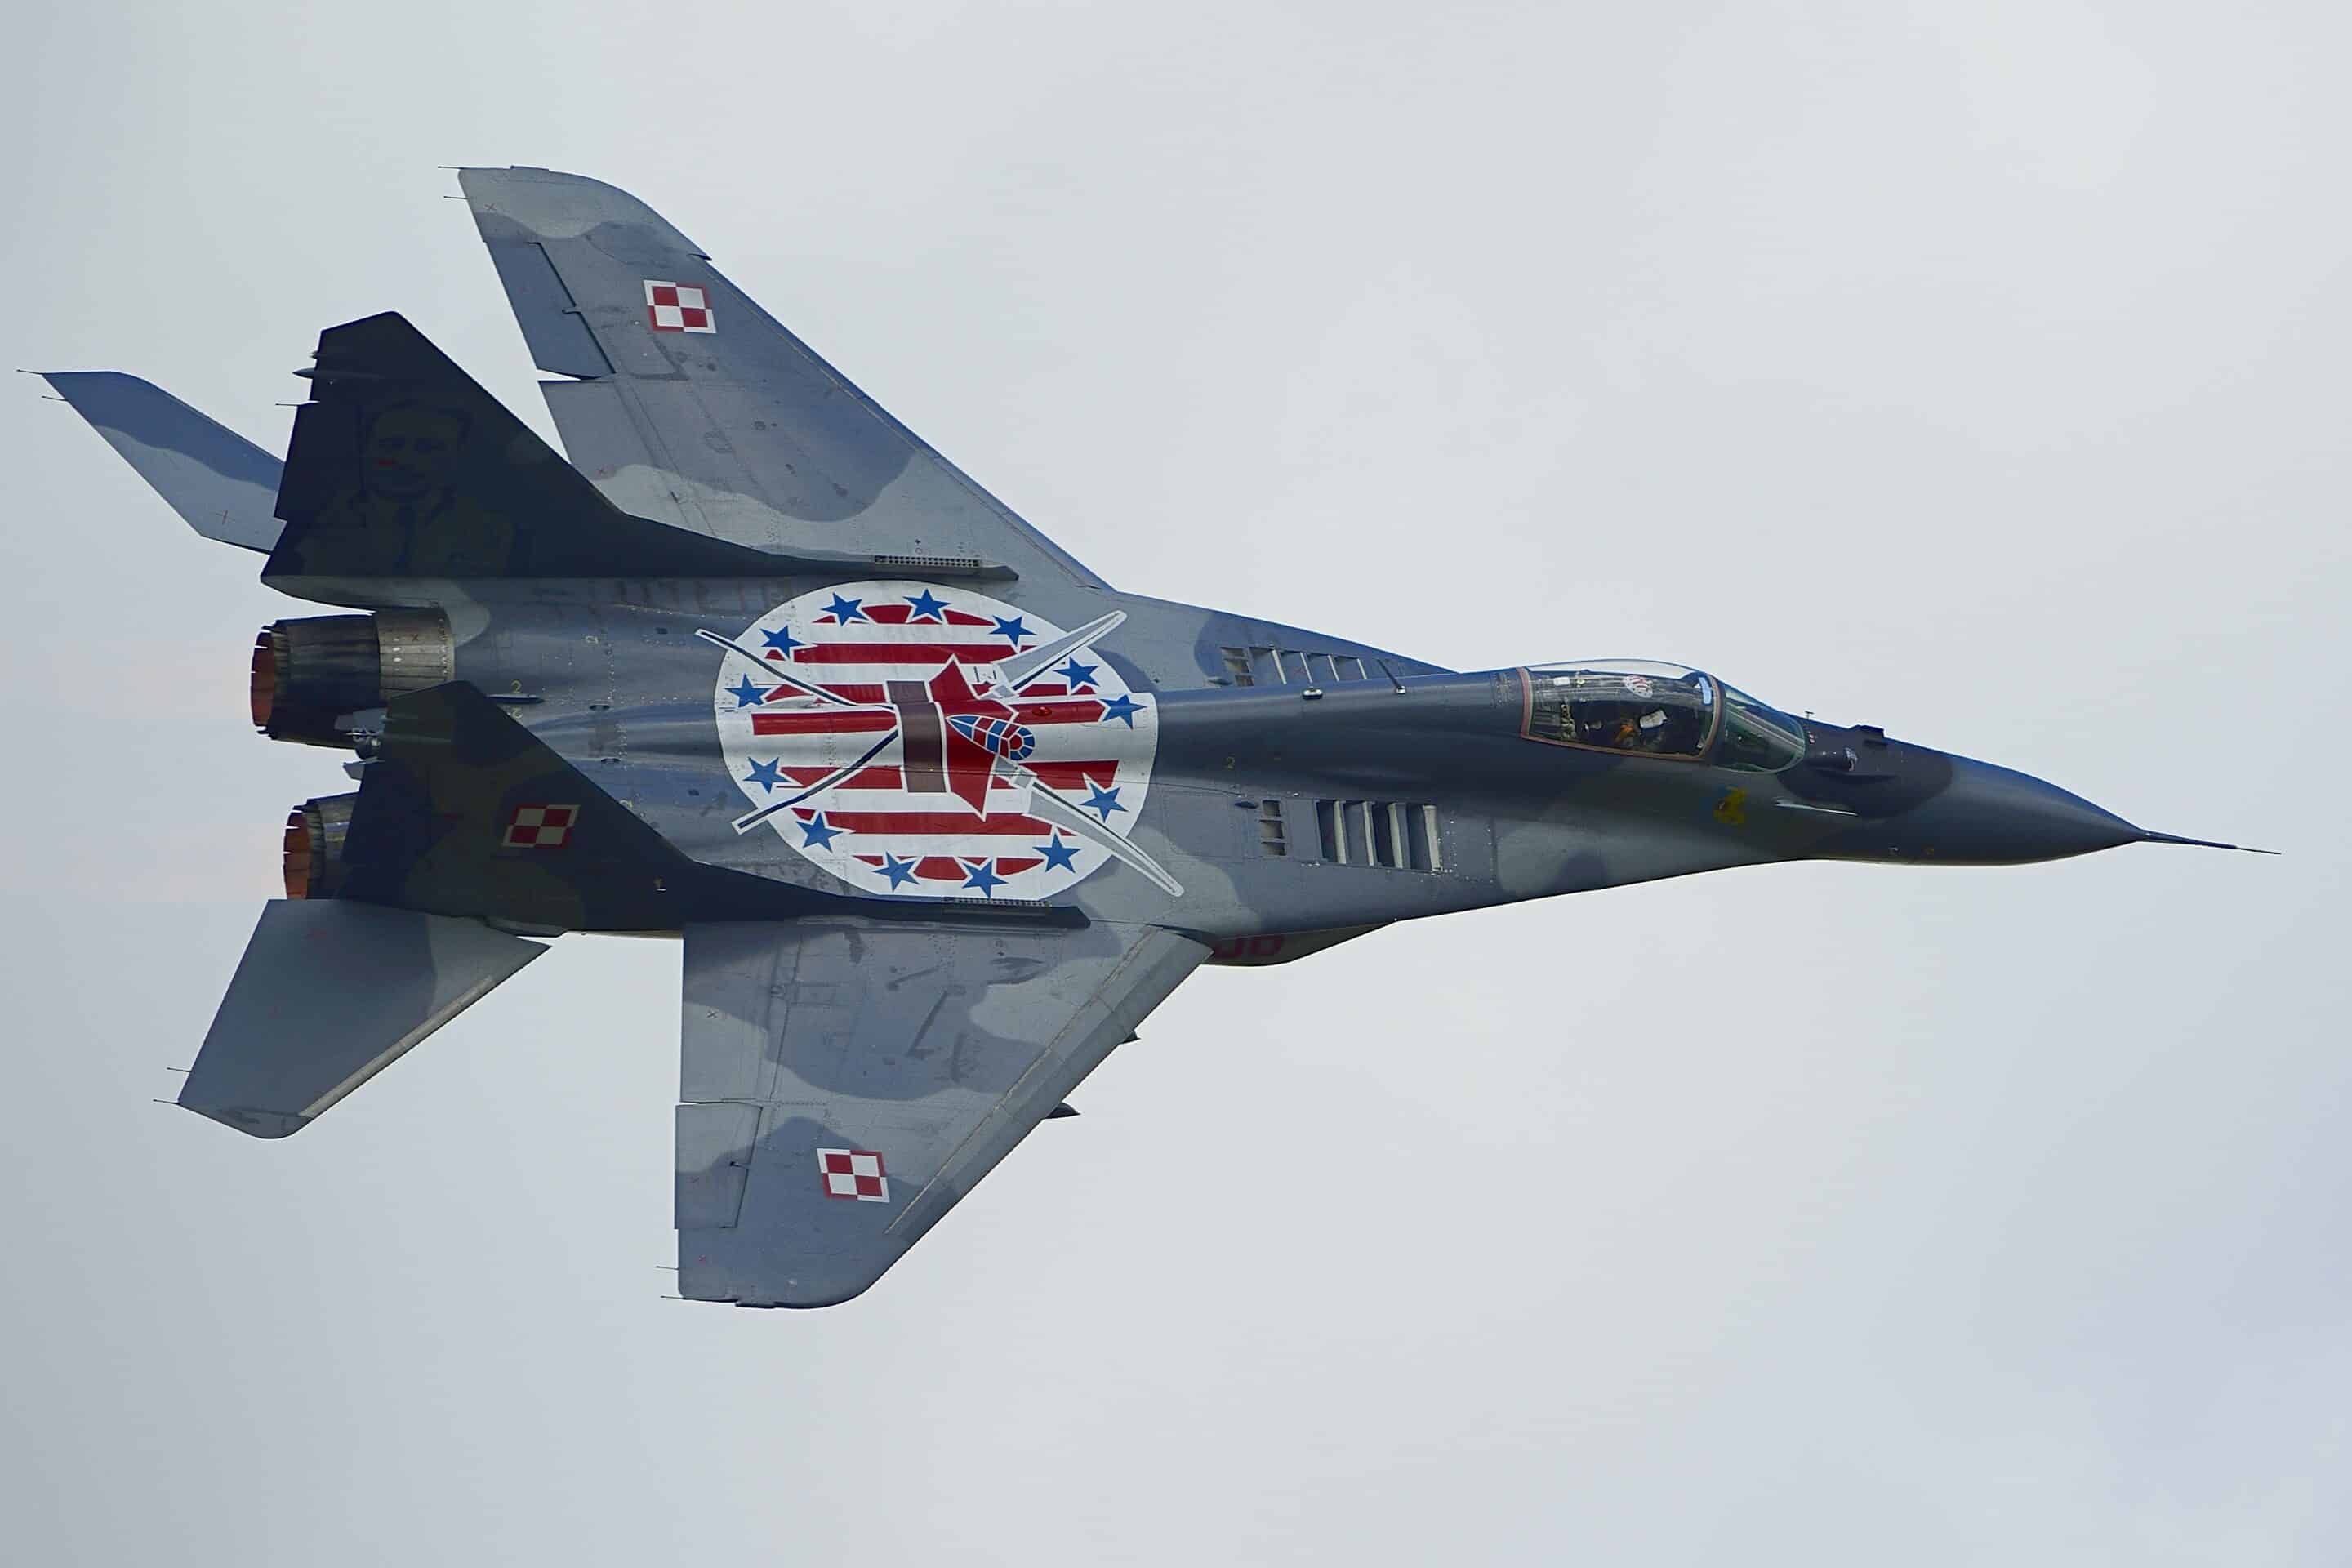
point(938, 813)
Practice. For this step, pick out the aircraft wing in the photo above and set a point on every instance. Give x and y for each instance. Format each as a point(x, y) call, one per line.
point(847, 1081)
point(692, 406)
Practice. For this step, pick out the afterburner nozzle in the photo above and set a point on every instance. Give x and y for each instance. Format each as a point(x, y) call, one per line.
point(308, 674)
point(314, 846)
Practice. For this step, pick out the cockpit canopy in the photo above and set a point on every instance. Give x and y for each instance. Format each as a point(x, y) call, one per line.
point(1658, 709)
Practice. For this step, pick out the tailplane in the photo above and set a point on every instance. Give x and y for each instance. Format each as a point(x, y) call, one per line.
point(223, 486)
point(329, 994)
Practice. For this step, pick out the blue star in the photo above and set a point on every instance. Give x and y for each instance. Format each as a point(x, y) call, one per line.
point(819, 833)
point(925, 605)
point(764, 775)
point(1075, 674)
point(1103, 800)
point(1013, 627)
point(746, 695)
point(1059, 856)
point(846, 610)
point(900, 872)
point(984, 877)
point(1123, 709)
point(783, 641)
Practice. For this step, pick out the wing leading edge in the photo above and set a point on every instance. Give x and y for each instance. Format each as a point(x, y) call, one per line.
point(845, 1082)
point(693, 407)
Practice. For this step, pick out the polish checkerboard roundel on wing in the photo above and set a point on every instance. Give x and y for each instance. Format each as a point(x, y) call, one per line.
point(904, 729)
point(852, 1173)
point(678, 308)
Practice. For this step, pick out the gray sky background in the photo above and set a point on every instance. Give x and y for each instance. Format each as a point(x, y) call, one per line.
point(1977, 370)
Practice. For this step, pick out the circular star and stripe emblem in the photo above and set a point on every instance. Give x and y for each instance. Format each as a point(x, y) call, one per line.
point(918, 741)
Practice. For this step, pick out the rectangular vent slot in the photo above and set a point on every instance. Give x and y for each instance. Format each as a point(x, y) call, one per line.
point(1260, 666)
point(1272, 839)
point(1397, 834)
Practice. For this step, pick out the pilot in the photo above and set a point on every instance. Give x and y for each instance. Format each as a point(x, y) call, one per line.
point(1646, 732)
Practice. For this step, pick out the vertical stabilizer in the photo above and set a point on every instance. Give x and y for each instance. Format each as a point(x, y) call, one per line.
point(402, 466)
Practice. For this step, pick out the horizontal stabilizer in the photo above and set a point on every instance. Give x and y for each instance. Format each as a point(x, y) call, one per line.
point(329, 994)
point(222, 484)
point(402, 466)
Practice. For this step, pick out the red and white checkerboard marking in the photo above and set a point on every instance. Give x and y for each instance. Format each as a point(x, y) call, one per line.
point(541, 827)
point(677, 308)
point(852, 1173)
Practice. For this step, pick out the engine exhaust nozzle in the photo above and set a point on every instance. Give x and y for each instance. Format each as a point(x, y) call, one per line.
point(312, 675)
point(314, 846)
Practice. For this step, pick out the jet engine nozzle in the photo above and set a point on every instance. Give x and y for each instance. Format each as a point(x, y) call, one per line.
point(314, 846)
point(310, 674)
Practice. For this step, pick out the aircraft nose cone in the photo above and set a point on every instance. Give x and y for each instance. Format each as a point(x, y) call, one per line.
point(1991, 815)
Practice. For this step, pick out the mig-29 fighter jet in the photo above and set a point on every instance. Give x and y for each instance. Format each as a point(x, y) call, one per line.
point(939, 814)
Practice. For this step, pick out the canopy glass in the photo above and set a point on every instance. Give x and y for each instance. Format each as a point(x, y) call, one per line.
point(1658, 709)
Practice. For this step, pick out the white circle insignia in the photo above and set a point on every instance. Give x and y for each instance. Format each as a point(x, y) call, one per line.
point(895, 733)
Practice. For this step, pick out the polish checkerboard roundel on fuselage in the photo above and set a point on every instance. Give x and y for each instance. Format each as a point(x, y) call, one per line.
point(912, 673)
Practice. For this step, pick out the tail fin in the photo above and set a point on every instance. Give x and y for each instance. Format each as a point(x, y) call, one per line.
point(329, 994)
point(222, 484)
point(402, 466)
point(465, 812)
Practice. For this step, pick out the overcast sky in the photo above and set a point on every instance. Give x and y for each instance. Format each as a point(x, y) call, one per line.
point(1975, 370)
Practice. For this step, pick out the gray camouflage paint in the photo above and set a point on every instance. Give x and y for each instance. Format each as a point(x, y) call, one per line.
point(732, 471)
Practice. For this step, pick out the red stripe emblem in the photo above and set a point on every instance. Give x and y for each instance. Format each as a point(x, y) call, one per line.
point(968, 707)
